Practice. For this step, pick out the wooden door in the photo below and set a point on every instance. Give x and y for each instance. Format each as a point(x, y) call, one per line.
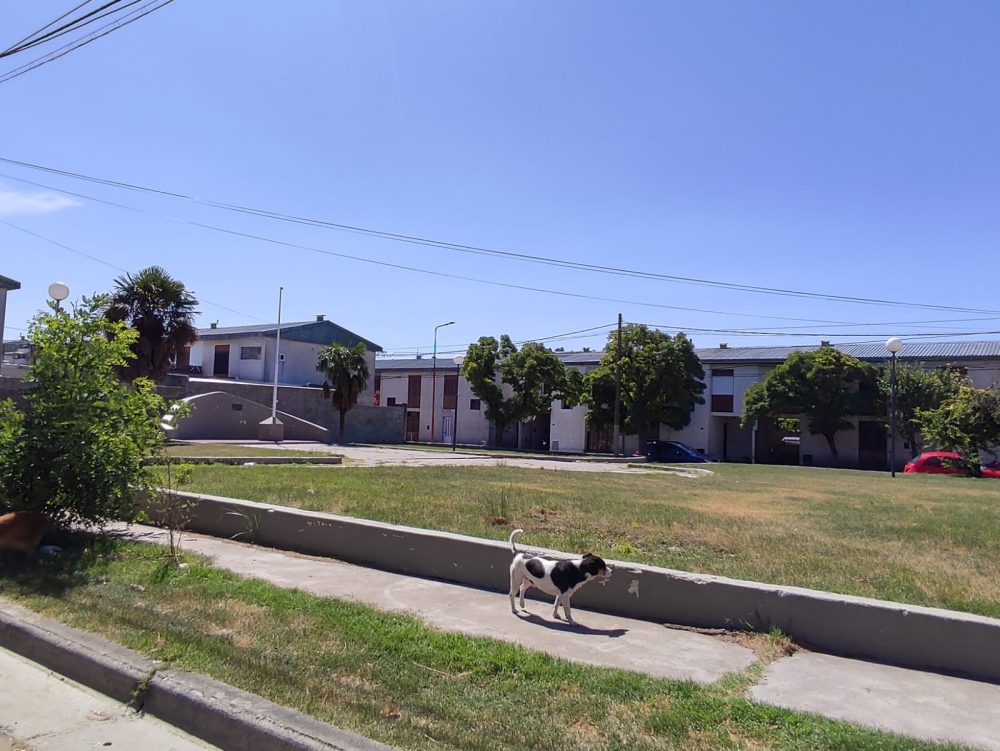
point(220, 368)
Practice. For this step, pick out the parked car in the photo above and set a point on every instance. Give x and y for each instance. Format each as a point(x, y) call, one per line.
point(942, 463)
point(675, 452)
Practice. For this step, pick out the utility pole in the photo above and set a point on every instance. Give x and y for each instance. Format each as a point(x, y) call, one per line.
point(618, 384)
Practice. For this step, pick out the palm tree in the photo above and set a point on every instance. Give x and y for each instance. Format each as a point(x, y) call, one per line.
point(346, 376)
point(161, 309)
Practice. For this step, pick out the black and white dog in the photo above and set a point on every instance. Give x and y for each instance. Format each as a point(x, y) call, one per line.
point(558, 578)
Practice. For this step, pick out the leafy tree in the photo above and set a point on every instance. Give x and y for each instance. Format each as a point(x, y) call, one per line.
point(662, 380)
point(825, 386)
point(76, 452)
point(534, 374)
point(346, 375)
point(967, 422)
point(161, 310)
point(917, 390)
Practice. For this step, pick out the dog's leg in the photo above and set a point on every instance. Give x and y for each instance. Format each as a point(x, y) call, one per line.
point(567, 610)
point(555, 610)
point(515, 586)
point(525, 586)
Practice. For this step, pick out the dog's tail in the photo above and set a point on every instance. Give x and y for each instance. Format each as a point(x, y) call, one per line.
point(513, 538)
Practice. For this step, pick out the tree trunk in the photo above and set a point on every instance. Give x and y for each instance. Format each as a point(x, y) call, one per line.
point(343, 419)
point(833, 448)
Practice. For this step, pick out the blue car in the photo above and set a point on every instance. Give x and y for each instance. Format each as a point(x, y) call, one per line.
point(675, 452)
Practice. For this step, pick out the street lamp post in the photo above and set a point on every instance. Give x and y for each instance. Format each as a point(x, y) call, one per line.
point(894, 345)
point(58, 291)
point(434, 375)
point(459, 359)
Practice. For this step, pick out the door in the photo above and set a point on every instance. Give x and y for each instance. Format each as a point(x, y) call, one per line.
point(446, 429)
point(872, 437)
point(412, 427)
point(221, 366)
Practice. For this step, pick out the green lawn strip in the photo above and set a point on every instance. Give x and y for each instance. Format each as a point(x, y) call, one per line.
point(919, 540)
point(389, 677)
point(230, 450)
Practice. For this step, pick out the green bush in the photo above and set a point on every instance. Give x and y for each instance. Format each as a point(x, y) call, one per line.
point(76, 452)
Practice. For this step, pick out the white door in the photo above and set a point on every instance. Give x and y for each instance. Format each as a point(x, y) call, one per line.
point(446, 429)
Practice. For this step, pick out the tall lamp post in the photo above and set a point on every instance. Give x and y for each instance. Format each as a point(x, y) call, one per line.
point(459, 359)
point(434, 374)
point(58, 291)
point(894, 345)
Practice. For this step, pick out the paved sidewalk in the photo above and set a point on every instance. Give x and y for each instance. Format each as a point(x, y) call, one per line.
point(42, 711)
point(922, 705)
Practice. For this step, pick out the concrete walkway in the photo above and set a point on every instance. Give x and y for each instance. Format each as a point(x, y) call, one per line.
point(43, 711)
point(922, 705)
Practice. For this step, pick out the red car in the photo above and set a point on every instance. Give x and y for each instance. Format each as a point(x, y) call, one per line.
point(941, 463)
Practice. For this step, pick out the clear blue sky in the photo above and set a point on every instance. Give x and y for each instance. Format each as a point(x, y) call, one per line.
point(847, 149)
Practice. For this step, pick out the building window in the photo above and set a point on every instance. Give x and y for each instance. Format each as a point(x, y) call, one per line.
point(722, 402)
point(390, 401)
point(475, 405)
point(722, 389)
point(250, 353)
point(565, 405)
point(413, 391)
point(450, 400)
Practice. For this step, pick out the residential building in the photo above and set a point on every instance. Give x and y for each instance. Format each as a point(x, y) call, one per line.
point(715, 425)
point(247, 353)
point(6, 284)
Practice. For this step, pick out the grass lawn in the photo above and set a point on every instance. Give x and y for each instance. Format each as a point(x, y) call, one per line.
point(914, 539)
point(180, 450)
point(391, 678)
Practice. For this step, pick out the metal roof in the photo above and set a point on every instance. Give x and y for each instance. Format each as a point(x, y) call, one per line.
point(873, 352)
point(314, 332)
point(416, 363)
point(912, 351)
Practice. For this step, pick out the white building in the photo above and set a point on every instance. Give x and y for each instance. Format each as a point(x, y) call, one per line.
point(247, 353)
point(437, 395)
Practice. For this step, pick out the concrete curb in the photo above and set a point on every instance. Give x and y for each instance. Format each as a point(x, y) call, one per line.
point(226, 717)
point(905, 635)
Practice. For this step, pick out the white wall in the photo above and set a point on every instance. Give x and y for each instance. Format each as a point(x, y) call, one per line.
point(568, 427)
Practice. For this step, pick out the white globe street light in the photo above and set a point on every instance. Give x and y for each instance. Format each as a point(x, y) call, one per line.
point(894, 345)
point(58, 291)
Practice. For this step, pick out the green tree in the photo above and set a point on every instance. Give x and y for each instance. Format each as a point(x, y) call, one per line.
point(967, 422)
point(662, 380)
point(825, 386)
point(534, 376)
point(917, 390)
point(345, 370)
point(161, 311)
point(76, 452)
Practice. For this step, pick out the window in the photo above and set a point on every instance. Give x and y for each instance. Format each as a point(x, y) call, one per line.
point(413, 391)
point(565, 405)
point(475, 405)
point(722, 402)
point(722, 389)
point(390, 402)
point(250, 353)
point(450, 400)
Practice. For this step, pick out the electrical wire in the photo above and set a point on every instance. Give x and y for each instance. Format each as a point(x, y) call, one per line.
point(412, 239)
point(76, 44)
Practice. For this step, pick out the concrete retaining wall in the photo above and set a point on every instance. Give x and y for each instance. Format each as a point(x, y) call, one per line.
point(910, 636)
point(364, 424)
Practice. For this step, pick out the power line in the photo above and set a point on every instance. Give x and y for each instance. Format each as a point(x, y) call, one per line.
point(110, 265)
point(412, 239)
point(92, 37)
point(42, 36)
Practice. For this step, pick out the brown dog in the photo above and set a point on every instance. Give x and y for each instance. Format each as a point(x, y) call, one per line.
point(23, 530)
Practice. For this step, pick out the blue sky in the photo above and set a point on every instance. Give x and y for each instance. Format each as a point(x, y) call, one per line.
point(841, 149)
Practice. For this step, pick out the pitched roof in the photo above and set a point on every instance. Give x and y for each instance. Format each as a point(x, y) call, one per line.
point(313, 332)
point(874, 352)
point(871, 352)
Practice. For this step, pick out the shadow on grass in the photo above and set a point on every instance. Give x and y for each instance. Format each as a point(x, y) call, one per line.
point(52, 574)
